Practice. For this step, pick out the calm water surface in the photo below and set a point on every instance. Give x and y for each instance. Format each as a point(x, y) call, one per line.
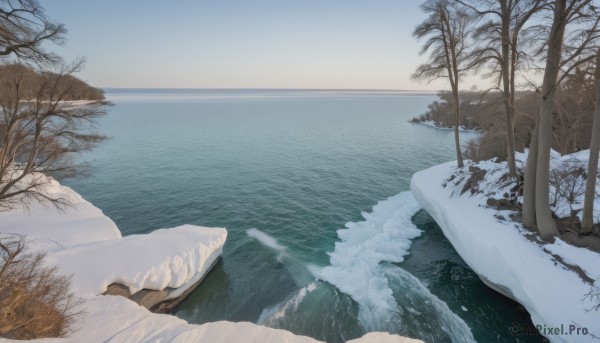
point(294, 167)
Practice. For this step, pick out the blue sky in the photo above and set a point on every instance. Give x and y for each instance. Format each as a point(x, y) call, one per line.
point(244, 44)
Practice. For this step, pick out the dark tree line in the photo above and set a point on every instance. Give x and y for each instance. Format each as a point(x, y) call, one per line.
point(30, 81)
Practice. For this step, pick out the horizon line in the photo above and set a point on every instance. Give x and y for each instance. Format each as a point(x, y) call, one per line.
point(284, 89)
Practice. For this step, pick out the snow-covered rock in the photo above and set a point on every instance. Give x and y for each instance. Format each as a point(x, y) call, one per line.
point(499, 251)
point(161, 259)
point(87, 245)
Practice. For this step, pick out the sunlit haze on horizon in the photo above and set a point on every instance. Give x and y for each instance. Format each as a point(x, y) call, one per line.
point(245, 44)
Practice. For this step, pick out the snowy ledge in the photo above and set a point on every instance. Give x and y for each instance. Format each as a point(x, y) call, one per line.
point(506, 260)
point(151, 269)
point(433, 124)
point(88, 246)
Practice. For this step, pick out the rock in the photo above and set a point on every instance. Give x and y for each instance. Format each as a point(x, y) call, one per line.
point(491, 202)
point(162, 300)
point(573, 238)
point(118, 289)
point(472, 184)
point(594, 243)
point(149, 298)
point(501, 204)
point(590, 242)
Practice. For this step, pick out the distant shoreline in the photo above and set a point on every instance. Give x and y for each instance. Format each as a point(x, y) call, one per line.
point(269, 89)
point(432, 125)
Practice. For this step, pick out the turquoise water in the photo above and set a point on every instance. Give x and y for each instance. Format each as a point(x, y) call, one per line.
point(283, 171)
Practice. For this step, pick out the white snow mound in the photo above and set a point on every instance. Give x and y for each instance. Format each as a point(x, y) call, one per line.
point(498, 251)
point(50, 229)
point(123, 321)
point(163, 258)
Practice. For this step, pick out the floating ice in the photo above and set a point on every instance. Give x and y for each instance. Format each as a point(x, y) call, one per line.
point(384, 235)
point(268, 241)
point(440, 314)
point(265, 239)
point(278, 311)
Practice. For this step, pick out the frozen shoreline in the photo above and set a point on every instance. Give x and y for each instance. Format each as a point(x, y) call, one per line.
point(505, 259)
point(86, 244)
point(432, 124)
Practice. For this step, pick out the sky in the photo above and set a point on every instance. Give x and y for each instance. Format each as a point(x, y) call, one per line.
point(328, 44)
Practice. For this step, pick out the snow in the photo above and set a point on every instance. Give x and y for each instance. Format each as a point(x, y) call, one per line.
point(269, 242)
point(265, 239)
point(383, 337)
point(163, 258)
point(52, 230)
point(358, 267)
point(384, 235)
point(87, 245)
point(277, 312)
point(499, 252)
point(436, 125)
point(129, 322)
point(71, 104)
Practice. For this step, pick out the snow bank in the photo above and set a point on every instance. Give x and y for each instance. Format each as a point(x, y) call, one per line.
point(383, 337)
point(499, 252)
point(123, 321)
point(161, 259)
point(87, 245)
point(435, 125)
point(52, 230)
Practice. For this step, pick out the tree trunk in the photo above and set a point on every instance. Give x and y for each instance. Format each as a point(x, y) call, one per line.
point(590, 187)
point(510, 140)
point(506, 93)
point(545, 223)
point(529, 182)
point(452, 67)
point(543, 216)
point(456, 123)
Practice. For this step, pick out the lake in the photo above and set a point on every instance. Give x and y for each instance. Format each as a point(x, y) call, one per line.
point(283, 170)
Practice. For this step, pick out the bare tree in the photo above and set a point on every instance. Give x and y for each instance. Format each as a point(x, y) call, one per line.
point(39, 136)
point(560, 60)
point(35, 301)
point(38, 132)
point(587, 222)
point(25, 28)
point(447, 29)
point(593, 296)
point(499, 44)
point(574, 111)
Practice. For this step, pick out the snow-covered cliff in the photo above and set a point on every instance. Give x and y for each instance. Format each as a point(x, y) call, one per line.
point(505, 257)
